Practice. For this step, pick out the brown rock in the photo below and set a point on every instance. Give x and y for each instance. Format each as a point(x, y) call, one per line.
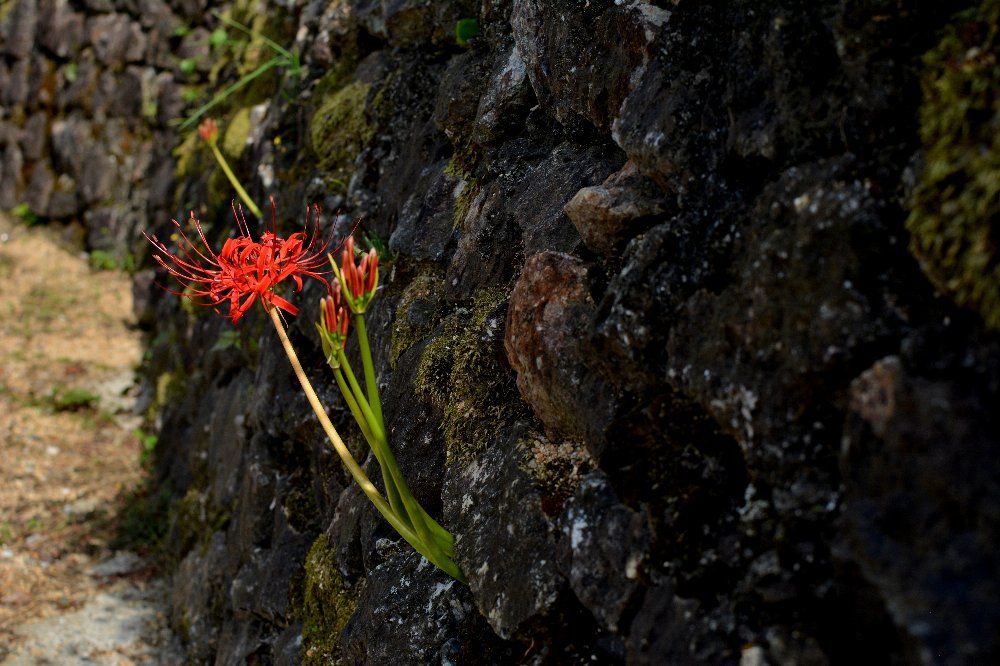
point(607, 215)
point(547, 321)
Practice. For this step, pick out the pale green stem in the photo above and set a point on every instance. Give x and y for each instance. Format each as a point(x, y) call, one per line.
point(233, 180)
point(387, 481)
point(388, 460)
point(428, 550)
point(418, 516)
point(369, 367)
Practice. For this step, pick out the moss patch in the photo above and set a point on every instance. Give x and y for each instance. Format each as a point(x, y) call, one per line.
point(327, 605)
point(195, 520)
point(955, 210)
point(461, 373)
point(417, 313)
point(338, 131)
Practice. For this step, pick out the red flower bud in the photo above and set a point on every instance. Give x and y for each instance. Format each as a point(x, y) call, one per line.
point(208, 130)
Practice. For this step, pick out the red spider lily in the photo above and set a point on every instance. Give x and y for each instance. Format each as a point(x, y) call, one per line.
point(359, 279)
point(245, 270)
point(333, 321)
point(208, 130)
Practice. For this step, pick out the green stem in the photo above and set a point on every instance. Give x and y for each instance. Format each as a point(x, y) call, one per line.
point(386, 458)
point(442, 537)
point(426, 549)
point(234, 181)
point(369, 367)
point(387, 481)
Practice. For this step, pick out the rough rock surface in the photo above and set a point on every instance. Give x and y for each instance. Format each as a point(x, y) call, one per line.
point(652, 338)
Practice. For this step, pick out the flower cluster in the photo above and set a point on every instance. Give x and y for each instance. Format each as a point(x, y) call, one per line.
point(245, 270)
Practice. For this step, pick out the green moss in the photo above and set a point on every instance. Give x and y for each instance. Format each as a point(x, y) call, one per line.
point(338, 131)
point(336, 77)
point(955, 210)
point(327, 605)
point(460, 373)
point(461, 166)
point(417, 313)
point(234, 140)
point(194, 521)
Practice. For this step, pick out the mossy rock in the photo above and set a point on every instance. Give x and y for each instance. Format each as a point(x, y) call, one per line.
point(417, 313)
point(327, 604)
point(339, 130)
point(461, 374)
point(955, 209)
point(194, 521)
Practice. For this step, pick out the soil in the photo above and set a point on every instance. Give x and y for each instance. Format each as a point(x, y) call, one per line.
point(71, 450)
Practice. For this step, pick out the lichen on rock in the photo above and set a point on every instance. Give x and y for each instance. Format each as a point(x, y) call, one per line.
point(327, 604)
point(461, 372)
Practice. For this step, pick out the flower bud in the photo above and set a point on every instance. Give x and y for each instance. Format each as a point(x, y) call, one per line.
point(208, 130)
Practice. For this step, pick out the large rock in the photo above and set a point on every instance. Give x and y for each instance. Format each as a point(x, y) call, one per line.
point(581, 59)
point(61, 30)
point(550, 313)
point(514, 572)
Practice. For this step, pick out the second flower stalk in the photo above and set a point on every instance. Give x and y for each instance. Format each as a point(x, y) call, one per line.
point(349, 294)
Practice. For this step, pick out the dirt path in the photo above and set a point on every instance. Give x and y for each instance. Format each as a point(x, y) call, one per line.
point(69, 453)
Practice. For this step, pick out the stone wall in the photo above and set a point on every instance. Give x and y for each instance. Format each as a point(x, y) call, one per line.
point(86, 90)
point(652, 341)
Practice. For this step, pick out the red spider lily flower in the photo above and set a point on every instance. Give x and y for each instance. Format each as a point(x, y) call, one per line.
point(208, 130)
point(359, 280)
point(332, 326)
point(245, 270)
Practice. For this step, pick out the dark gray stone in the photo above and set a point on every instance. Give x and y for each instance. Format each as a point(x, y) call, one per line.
point(507, 97)
point(63, 201)
point(18, 28)
point(918, 521)
point(116, 39)
point(426, 226)
point(409, 607)
point(505, 544)
point(610, 550)
point(408, 23)
point(39, 189)
point(581, 58)
point(15, 93)
point(195, 593)
point(61, 30)
point(33, 138)
point(11, 176)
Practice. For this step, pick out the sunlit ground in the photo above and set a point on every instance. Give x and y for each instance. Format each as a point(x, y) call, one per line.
point(68, 446)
